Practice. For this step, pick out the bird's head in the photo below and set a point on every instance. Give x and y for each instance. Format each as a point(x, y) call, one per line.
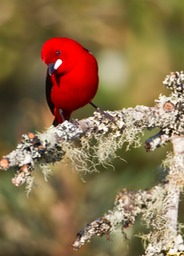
point(60, 54)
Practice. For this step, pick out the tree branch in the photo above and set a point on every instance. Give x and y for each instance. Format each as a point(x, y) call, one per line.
point(110, 130)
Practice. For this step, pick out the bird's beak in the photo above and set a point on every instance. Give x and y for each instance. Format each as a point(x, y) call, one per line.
point(54, 66)
point(51, 68)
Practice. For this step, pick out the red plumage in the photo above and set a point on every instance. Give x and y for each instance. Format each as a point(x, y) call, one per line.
point(72, 76)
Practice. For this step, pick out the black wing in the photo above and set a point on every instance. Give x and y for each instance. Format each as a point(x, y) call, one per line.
point(48, 92)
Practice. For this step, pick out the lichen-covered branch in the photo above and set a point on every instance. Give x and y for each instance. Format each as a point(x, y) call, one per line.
point(151, 204)
point(107, 131)
point(128, 204)
point(158, 208)
point(110, 130)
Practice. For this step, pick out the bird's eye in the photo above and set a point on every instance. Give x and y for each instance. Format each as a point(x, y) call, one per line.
point(58, 52)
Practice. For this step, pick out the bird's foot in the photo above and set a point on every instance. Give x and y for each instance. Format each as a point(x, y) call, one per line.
point(60, 111)
point(106, 115)
point(102, 112)
point(75, 122)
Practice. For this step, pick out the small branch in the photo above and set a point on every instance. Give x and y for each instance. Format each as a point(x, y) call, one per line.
point(128, 205)
point(156, 141)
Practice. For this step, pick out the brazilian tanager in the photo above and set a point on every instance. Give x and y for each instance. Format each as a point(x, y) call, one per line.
point(72, 76)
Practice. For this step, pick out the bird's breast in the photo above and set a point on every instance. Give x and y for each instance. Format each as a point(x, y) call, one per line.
point(75, 88)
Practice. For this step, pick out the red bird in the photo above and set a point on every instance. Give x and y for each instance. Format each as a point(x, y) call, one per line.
point(72, 76)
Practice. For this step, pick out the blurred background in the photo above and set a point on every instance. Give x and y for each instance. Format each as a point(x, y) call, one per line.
point(136, 44)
